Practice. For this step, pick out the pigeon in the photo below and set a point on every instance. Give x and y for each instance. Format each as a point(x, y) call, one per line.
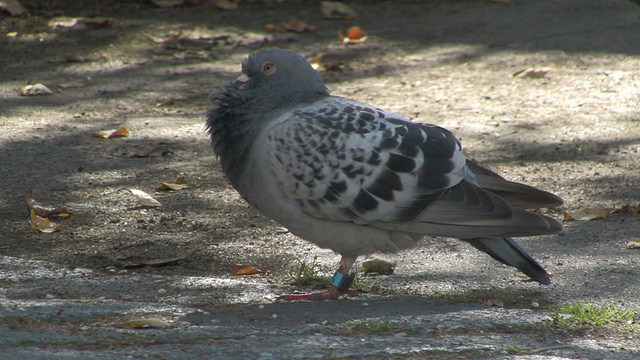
point(358, 179)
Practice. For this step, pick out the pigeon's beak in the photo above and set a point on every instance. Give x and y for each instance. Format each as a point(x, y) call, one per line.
point(241, 80)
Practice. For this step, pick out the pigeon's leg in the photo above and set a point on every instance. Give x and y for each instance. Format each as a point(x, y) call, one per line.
point(340, 283)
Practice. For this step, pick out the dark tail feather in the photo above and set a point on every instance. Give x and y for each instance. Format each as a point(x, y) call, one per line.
point(508, 252)
point(516, 194)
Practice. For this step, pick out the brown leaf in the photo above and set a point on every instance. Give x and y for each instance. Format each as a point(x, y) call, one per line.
point(13, 7)
point(178, 183)
point(239, 270)
point(355, 35)
point(143, 324)
point(120, 132)
point(378, 266)
point(336, 10)
point(587, 214)
point(273, 28)
point(28, 198)
point(41, 224)
point(633, 244)
point(533, 73)
point(632, 208)
point(40, 214)
point(316, 62)
point(155, 149)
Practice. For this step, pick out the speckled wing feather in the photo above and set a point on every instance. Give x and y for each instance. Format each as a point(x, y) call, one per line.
point(343, 160)
point(346, 161)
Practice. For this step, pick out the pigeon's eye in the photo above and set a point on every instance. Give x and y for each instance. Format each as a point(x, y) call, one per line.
point(268, 68)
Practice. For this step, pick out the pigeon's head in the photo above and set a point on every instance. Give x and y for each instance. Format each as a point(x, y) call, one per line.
point(279, 77)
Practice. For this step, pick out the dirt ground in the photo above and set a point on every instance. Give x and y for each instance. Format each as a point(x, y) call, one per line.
point(574, 132)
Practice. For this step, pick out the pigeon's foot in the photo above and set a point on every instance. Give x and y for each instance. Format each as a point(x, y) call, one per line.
point(331, 293)
point(340, 285)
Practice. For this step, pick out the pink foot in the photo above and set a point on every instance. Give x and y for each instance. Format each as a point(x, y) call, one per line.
point(331, 293)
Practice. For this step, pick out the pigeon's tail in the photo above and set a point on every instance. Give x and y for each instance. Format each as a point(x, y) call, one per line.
point(508, 252)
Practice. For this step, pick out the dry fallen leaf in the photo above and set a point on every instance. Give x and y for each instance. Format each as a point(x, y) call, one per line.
point(154, 150)
point(533, 73)
point(494, 302)
point(632, 208)
point(336, 10)
point(587, 214)
point(41, 224)
point(28, 198)
point(143, 324)
point(33, 90)
point(120, 132)
point(39, 215)
point(273, 27)
point(378, 266)
point(178, 183)
point(316, 62)
point(239, 270)
point(354, 35)
point(145, 199)
point(634, 244)
point(13, 7)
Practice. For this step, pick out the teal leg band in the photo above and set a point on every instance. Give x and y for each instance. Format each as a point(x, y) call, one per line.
point(341, 281)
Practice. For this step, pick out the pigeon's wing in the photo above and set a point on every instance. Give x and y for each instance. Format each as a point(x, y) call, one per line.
point(346, 161)
point(342, 160)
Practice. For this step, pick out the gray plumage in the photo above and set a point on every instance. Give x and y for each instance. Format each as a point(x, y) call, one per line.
point(358, 179)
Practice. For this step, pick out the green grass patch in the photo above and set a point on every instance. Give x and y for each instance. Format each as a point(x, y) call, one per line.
point(591, 315)
point(516, 350)
point(306, 273)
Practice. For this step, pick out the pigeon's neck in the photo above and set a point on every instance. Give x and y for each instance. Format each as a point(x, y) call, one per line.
point(239, 118)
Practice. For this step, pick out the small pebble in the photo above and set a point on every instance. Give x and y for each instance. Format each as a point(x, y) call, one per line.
point(162, 291)
point(261, 307)
point(49, 296)
point(274, 316)
point(365, 304)
point(122, 272)
point(535, 305)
